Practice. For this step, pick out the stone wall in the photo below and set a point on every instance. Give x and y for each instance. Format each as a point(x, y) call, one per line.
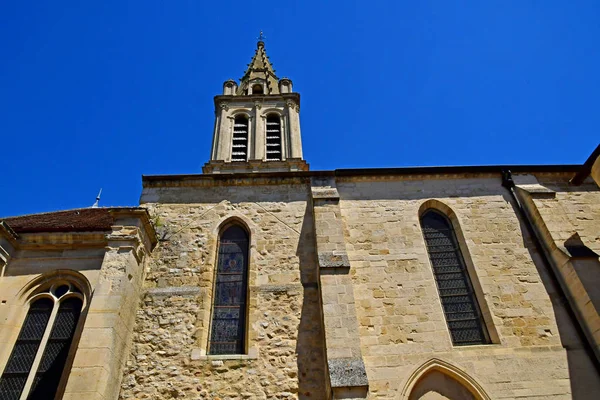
point(285, 355)
point(566, 222)
point(536, 350)
point(401, 320)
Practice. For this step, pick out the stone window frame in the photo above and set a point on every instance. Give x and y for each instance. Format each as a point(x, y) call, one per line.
point(41, 287)
point(254, 82)
point(486, 315)
point(205, 319)
point(282, 129)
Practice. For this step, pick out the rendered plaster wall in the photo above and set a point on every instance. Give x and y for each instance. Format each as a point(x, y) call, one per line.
point(285, 355)
point(535, 350)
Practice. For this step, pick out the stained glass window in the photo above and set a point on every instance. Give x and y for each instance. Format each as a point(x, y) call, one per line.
point(35, 338)
point(462, 312)
point(19, 364)
point(229, 307)
point(55, 355)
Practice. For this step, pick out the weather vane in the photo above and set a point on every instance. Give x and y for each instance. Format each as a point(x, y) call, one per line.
point(261, 37)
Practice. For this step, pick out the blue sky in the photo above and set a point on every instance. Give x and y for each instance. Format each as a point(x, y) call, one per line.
point(95, 94)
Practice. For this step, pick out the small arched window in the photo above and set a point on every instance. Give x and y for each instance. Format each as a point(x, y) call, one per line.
point(38, 359)
point(257, 89)
point(461, 309)
point(273, 137)
point(239, 146)
point(228, 327)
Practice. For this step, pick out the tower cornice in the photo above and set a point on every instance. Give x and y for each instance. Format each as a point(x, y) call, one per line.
point(227, 99)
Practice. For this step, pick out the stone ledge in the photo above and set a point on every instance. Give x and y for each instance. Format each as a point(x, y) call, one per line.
point(333, 259)
point(278, 288)
point(197, 355)
point(325, 193)
point(537, 191)
point(253, 166)
point(185, 291)
point(347, 372)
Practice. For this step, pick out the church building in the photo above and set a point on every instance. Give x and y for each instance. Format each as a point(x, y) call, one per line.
point(262, 279)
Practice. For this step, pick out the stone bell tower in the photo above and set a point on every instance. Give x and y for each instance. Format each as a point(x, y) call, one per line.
point(257, 124)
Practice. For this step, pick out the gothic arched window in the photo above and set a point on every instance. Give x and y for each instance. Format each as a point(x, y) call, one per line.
point(461, 309)
point(228, 327)
point(40, 354)
point(273, 137)
point(239, 146)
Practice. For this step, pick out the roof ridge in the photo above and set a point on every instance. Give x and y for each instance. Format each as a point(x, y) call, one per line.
point(67, 210)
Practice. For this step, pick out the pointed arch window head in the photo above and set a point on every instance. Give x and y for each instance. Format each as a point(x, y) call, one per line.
point(239, 146)
point(37, 362)
point(228, 327)
point(461, 309)
point(274, 138)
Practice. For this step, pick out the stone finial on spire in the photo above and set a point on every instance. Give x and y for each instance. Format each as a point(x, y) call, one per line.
point(261, 39)
point(259, 72)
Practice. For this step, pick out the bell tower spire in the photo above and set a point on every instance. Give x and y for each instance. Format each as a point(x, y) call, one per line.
point(257, 124)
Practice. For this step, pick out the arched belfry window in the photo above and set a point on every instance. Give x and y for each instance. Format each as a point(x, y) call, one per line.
point(39, 356)
point(239, 146)
point(228, 328)
point(257, 89)
point(461, 309)
point(273, 138)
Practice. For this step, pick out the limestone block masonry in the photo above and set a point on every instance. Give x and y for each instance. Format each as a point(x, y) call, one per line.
point(284, 357)
point(342, 300)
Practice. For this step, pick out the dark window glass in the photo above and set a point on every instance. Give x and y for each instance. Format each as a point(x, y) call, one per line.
point(239, 147)
point(229, 308)
point(456, 292)
point(55, 355)
point(62, 289)
point(273, 138)
point(21, 359)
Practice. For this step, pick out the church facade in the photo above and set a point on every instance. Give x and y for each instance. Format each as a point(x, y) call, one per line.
point(261, 279)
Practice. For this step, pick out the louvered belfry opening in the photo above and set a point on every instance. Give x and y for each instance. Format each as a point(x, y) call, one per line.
point(239, 147)
point(228, 328)
point(33, 339)
point(461, 309)
point(273, 138)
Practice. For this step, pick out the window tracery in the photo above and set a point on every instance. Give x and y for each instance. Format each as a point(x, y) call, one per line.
point(40, 353)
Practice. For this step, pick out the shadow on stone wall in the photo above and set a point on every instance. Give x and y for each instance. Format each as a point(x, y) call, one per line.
point(310, 347)
point(584, 377)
